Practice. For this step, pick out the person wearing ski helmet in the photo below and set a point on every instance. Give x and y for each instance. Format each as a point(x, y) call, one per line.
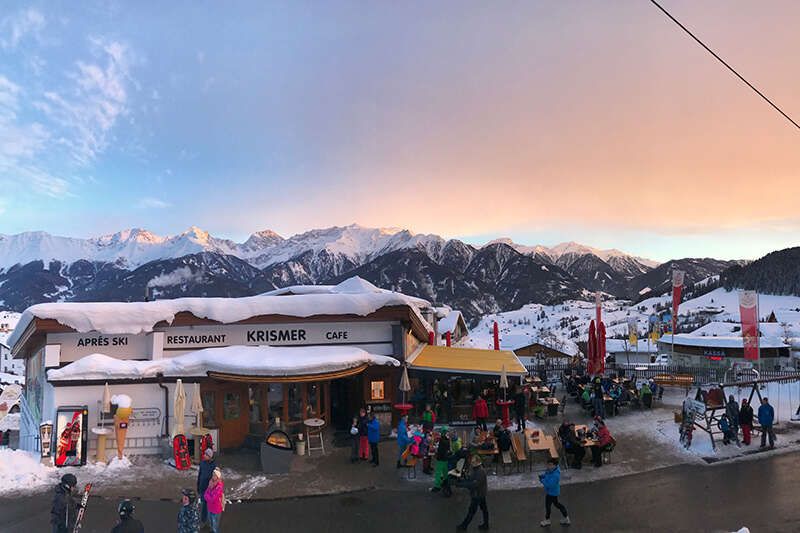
point(189, 515)
point(127, 523)
point(65, 505)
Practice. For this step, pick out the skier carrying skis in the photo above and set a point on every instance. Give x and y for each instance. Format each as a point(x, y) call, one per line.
point(65, 507)
point(127, 523)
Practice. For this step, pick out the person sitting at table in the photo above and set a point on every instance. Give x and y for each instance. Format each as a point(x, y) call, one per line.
point(477, 437)
point(504, 440)
point(647, 395)
point(586, 397)
point(497, 429)
point(604, 442)
point(572, 446)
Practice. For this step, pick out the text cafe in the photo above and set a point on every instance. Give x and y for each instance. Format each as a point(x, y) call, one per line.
point(282, 357)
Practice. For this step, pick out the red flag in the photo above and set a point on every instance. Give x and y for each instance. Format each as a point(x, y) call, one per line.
point(601, 348)
point(748, 310)
point(591, 348)
point(677, 285)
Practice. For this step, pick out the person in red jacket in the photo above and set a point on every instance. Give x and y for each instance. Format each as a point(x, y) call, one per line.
point(604, 441)
point(480, 412)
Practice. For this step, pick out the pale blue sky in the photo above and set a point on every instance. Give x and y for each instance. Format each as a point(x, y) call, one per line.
point(588, 121)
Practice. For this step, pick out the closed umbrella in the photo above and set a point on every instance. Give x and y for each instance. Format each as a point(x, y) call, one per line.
point(405, 385)
point(106, 399)
point(503, 380)
point(591, 348)
point(180, 408)
point(197, 404)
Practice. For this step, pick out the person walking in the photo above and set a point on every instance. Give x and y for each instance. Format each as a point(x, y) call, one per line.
point(354, 441)
point(647, 395)
point(766, 417)
point(732, 410)
point(597, 399)
point(746, 421)
point(374, 437)
point(363, 441)
point(480, 412)
point(442, 454)
point(519, 409)
point(204, 473)
point(477, 494)
point(127, 523)
point(65, 506)
point(188, 516)
point(215, 498)
point(551, 480)
point(403, 440)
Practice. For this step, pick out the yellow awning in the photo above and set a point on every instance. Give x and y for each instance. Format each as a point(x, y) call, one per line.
point(467, 361)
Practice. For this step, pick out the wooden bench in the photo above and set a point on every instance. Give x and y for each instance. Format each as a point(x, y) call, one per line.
point(518, 447)
point(674, 380)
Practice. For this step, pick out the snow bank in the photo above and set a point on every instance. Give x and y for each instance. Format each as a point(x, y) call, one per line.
point(353, 296)
point(245, 360)
point(22, 471)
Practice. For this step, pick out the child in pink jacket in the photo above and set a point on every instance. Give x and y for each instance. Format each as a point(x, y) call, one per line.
point(215, 499)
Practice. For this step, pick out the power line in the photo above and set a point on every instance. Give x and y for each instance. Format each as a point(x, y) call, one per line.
point(710, 51)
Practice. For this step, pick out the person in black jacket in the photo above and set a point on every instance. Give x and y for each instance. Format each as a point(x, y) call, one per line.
point(519, 409)
point(571, 444)
point(204, 473)
point(65, 507)
point(746, 421)
point(477, 494)
point(127, 523)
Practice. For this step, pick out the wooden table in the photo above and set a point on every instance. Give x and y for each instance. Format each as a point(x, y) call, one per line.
point(540, 443)
point(551, 404)
point(586, 442)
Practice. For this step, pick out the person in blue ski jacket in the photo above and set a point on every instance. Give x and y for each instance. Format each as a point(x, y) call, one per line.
point(403, 440)
point(374, 437)
point(766, 417)
point(551, 480)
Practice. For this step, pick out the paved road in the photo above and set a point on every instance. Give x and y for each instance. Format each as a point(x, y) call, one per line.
point(760, 494)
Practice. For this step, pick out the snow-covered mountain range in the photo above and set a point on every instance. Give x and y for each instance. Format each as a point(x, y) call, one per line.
point(134, 247)
point(39, 267)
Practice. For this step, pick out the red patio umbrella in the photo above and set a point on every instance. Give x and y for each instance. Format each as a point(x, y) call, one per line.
point(601, 348)
point(591, 348)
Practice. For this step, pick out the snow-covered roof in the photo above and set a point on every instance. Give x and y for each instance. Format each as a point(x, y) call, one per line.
point(7, 379)
point(449, 322)
point(686, 339)
point(10, 422)
point(353, 296)
point(240, 360)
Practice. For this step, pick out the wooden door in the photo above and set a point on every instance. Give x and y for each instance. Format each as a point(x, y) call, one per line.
point(231, 411)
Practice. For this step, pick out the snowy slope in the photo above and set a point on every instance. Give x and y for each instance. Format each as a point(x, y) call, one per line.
point(568, 323)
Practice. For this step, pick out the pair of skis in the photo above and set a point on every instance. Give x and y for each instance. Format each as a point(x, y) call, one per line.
point(82, 509)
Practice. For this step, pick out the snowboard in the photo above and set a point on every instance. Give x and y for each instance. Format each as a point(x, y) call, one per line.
point(84, 500)
point(181, 450)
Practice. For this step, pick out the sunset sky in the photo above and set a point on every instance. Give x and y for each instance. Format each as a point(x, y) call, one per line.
point(599, 122)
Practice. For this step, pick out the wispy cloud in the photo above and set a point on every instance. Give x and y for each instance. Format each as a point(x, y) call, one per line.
point(17, 26)
point(151, 203)
point(98, 97)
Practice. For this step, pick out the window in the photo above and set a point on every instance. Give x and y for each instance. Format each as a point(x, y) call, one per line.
point(295, 401)
point(377, 390)
point(231, 406)
point(209, 418)
point(275, 400)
